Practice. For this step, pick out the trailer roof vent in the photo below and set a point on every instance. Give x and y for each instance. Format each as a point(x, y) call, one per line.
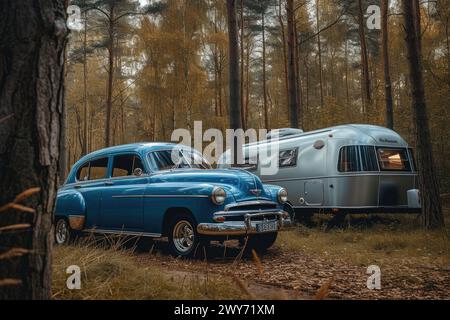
point(285, 132)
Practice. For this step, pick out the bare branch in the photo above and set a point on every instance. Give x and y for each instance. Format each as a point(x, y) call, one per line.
point(323, 29)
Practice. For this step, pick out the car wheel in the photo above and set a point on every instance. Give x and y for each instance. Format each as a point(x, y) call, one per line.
point(261, 242)
point(183, 237)
point(62, 232)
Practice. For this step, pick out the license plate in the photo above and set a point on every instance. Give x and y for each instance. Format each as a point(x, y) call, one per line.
point(268, 226)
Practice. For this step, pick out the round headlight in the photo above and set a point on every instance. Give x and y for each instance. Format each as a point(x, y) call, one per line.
point(282, 196)
point(218, 195)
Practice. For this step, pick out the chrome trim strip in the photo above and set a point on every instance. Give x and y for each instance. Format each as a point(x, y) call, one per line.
point(357, 207)
point(344, 176)
point(159, 196)
point(125, 233)
point(248, 212)
point(249, 203)
point(240, 228)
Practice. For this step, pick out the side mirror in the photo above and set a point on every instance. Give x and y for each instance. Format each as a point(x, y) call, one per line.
point(138, 172)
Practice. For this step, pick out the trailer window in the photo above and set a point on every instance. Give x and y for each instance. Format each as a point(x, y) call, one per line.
point(288, 158)
point(413, 159)
point(357, 159)
point(394, 159)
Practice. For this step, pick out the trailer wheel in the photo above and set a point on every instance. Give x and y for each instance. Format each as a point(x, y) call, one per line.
point(337, 221)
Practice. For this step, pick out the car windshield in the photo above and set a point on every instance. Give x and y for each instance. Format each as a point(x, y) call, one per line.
point(176, 159)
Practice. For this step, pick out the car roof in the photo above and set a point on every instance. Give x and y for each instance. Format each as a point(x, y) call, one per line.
point(134, 147)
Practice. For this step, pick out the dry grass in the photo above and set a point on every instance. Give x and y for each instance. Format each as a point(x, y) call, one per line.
point(384, 242)
point(114, 273)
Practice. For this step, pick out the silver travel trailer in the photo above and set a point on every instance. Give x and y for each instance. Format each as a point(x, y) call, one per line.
point(343, 169)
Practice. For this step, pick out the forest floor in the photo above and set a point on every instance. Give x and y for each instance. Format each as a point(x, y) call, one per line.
point(305, 263)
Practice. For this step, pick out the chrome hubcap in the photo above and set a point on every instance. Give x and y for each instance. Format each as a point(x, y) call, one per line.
point(61, 232)
point(183, 236)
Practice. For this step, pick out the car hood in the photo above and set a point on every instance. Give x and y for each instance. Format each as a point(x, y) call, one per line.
point(242, 184)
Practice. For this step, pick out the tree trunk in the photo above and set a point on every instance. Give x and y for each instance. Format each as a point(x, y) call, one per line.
point(432, 216)
point(347, 89)
point(298, 82)
point(319, 52)
point(285, 58)
point(109, 89)
point(247, 79)
point(364, 58)
point(293, 107)
point(244, 111)
point(266, 111)
point(234, 99)
point(387, 73)
point(233, 56)
point(85, 81)
point(32, 42)
point(306, 100)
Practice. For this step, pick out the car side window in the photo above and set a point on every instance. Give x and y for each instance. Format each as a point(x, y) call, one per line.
point(124, 165)
point(83, 172)
point(98, 169)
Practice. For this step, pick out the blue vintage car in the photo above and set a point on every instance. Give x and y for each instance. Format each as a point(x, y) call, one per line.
point(164, 190)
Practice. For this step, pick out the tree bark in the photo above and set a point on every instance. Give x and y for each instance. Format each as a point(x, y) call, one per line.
point(285, 58)
point(32, 44)
point(432, 216)
point(234, 83)
point(386, 65)
point(109, 88)
point(367, 97)
point(233, 48)
point(293, 107)
point(319, 52)
point(298, 80)
point(244, 111)
point(85, 84)
point(347, 89)
point(266, 111)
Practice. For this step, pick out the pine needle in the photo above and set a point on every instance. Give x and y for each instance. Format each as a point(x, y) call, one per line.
point(15, 227)
point(258, 262)
point(26, 194)
point(15, 252)
point(242, 286)
point(6, 207)
point(324, 290)
point(22, 208)
point(10, 282)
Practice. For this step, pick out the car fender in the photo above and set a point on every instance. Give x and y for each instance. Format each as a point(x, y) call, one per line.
point(71, 205)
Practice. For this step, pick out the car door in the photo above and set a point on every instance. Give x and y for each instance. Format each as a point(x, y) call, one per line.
point(122, 196)
point(90, 181)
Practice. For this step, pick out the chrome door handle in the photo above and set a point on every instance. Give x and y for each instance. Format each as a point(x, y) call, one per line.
point(109, 183)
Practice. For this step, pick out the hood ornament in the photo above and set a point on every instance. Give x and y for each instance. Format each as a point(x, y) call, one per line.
point(256, 192)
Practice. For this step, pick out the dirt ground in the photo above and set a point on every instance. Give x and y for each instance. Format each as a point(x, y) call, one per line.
point(285, 274)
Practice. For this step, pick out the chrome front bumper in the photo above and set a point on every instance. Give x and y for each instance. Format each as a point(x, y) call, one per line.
point(246, 227)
